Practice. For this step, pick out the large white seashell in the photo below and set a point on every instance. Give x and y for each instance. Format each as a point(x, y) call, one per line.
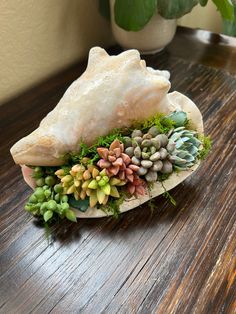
point(113, 92)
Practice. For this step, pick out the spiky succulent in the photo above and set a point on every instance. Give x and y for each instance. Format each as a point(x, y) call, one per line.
point(183, 148)
point(86, 180)
point(116, 162)
point(148, 151)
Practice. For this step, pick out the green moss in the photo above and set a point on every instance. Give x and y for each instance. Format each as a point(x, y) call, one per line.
point(207, 144)
point(152, 205)
point(169, 197)
point(105, 141)
point(66, 169)
point(163, 176)
point(150, 186)
point(91, 151)
point(163, 124)
point(188, 124)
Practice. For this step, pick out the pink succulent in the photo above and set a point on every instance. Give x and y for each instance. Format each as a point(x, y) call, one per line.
point(116, 162)
point(137, 186)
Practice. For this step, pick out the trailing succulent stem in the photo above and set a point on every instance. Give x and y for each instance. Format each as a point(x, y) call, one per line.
point(48, 201)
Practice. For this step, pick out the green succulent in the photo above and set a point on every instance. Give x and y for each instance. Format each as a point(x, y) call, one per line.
point(183, 148)
point(148, 152)
point(101, 187)
point(178, 117)
point(88, 181)
point(44, 176)
point(48, 202)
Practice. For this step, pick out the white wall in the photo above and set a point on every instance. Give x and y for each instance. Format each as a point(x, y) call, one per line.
point(203, 17)
point(40, 37)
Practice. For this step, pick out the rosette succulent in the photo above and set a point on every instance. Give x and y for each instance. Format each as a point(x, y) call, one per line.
point(86, 180)
point(183, 148)
point(116, 162)
point(101, 187)
point(148, 151)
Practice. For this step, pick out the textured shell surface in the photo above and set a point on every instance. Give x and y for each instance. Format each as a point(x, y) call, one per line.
point(112, 92)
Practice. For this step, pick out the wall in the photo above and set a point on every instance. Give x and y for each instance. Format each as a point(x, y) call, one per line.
point(203, 17)
point(40, 37)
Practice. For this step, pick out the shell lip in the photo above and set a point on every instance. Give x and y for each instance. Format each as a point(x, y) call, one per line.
point(158, 189)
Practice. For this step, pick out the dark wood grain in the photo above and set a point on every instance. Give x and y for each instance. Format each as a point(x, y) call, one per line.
point(175, 260)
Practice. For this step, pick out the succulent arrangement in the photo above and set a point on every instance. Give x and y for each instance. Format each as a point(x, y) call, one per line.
point(148, 151)
point(121, 164)
point(87, 180)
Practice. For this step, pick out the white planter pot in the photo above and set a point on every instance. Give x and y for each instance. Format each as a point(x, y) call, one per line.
point(155, 35)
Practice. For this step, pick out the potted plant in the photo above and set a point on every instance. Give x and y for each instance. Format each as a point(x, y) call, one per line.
point(149, 25)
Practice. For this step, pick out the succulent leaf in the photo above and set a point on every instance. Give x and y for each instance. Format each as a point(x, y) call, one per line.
point(114, 192)
point(179, 117)
point(92, 182)
point(187, 145)
point(106, 189)
point(93, 198)
point(93, 185)
point(147, 151)
point(100, 196)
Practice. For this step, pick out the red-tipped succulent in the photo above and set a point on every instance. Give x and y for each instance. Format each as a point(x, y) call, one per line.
point(137, 187)
point(116, 162)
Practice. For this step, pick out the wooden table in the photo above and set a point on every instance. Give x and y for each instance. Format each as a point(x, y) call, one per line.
point(175, 260)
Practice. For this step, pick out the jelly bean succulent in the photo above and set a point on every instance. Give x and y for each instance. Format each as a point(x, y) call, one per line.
point(148, 152)
point(48, 201)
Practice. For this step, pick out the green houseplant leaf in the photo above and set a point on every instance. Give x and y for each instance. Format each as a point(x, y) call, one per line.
point(170, 9)
point(133, 15)
point(226, 9)
point(229, 27)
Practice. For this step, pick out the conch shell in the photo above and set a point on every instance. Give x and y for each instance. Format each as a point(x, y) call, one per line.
point(112, 93)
